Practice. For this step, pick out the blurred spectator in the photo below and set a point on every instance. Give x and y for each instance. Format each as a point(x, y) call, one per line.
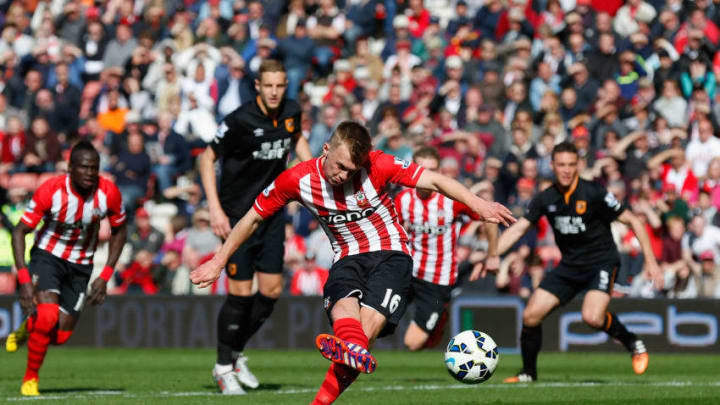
point(169, 153)
point(296, 50)
point(132, 171)
point(138, 276)
point(119, 49)
point(200, 240)
point(308, 278)
point(702, 148)
point(326, 27)
point(142, 236)
point(42, 150)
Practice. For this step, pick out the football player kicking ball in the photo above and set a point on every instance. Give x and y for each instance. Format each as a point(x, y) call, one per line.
point(580, 213)
point(365, 294)
point(71, 207)
point(433, 222)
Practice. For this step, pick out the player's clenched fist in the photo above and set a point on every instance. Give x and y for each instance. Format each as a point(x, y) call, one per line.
point(207, 273)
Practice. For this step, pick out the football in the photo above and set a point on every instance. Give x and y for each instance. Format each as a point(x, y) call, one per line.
point(471, 356)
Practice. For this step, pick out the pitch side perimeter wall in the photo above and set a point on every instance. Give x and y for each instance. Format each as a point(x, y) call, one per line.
point(140, 321)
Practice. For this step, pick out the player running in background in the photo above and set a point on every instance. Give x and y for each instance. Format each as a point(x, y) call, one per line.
point(433, 222)
point(254, 142)
point(61, 261)
point(366, 291)
point(580, 213)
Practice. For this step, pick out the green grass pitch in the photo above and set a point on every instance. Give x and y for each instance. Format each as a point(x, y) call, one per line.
point(174, 376)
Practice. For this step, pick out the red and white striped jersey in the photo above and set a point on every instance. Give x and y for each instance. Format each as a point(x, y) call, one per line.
point(71, 222)
point(358, 216)
point(434, 226)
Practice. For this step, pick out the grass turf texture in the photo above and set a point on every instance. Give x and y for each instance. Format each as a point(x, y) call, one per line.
point(173, 376)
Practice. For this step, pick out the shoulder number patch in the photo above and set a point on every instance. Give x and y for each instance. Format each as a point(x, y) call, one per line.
point(612, 202)
point(220, 134)
point(404, 163)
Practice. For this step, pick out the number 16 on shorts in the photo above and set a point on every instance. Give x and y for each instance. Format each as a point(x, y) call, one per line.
point(392, 300)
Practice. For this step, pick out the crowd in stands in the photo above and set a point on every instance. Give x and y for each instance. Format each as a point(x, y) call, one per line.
point(493, 84)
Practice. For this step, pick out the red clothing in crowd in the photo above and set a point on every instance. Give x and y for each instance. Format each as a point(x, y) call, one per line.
point(309, 282)
point(139, 275)
point(11, 147)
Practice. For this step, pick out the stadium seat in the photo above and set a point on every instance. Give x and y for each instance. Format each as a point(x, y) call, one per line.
point(45, 177)
point(27, 181)
point(4, 180)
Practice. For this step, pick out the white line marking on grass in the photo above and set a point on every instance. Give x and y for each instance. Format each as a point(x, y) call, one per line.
point(426, 387)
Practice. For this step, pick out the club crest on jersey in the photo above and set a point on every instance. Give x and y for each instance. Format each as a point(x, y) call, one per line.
point(232, 269)
point(290, 124)
point(259, 132)
point(580, 206)
point(361, 200)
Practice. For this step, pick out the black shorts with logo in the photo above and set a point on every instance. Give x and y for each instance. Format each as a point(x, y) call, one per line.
point(380, 280)
point(430, 301)
point(565, 282)
point(263, 251)
point(66, 279)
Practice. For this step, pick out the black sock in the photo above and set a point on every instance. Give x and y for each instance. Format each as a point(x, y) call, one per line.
point(234, 314)
point(613, 327)
point(262, 307)
point(530, 344)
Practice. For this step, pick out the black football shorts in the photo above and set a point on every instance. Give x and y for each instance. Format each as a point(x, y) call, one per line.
point(380, 280)
point(66, 279)
point(263, 251)
point(430, 301)
point(565, 282)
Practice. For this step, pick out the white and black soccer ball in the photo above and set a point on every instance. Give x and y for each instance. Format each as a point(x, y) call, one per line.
point(471, 357)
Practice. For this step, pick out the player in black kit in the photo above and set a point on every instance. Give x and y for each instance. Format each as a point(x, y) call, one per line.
point(254, 142)
point(580, 213)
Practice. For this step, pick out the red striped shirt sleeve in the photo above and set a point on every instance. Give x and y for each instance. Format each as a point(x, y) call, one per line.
point(40, 205)
point(283, 189)
point(116, 212)
point(396, 170)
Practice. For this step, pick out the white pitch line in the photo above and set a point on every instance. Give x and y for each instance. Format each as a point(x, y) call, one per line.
point(427, 387)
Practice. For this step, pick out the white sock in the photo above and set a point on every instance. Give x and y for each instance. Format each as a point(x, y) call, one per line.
point(223, 368)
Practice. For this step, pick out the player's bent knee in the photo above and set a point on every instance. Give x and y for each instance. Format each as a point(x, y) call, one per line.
point(413, 343)
point(593, 320)
point(532, 318)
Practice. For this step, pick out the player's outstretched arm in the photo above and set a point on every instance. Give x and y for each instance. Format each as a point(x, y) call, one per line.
point(219, 221)
point(628, 218)
point(512, 235)
point(26, 286)
point(488, 211)
point(209, 271)
point(98, 291)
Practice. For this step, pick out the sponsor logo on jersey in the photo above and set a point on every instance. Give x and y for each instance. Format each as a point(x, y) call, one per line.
point(259, 132)
point(404, 163)
point(361, 200)
point(567, 225)
point(326, 303)
point(290, 125)
point(580, 206)
point(429, 229)
point(349, 216)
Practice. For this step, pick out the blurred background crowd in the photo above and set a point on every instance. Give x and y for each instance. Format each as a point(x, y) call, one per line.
point(493, 84)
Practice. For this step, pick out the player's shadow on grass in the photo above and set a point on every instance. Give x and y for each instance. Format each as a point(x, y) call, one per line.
point(262, 387)
point(79, 390)
point(420, 380)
